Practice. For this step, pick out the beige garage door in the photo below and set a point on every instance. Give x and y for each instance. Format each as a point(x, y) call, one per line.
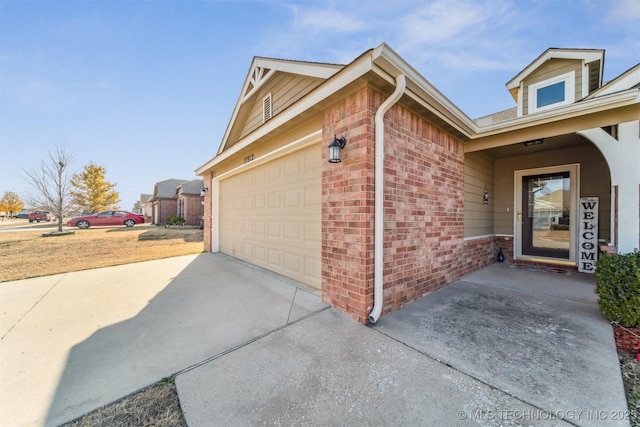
point(270, 215)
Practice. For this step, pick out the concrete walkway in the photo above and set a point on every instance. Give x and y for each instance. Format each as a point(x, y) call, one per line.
point(502, 347)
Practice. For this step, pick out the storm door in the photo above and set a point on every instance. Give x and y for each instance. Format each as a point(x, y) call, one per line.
point(546, 212)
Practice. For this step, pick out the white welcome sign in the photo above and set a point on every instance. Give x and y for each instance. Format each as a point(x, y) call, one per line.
point(588, 240)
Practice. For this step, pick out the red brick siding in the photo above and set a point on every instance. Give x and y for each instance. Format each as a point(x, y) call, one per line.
point(193, 209)
point(166, 208)
point(207, 212)
point(424, 190)
point(479, 253)
point(348, 206)
point(424, 208)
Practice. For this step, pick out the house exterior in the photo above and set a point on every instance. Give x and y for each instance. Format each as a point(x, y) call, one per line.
point(189, 201)
point(423, 195)
point(164, 200)
point(144, 207)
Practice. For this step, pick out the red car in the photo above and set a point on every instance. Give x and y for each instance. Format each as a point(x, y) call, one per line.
point(128, 219)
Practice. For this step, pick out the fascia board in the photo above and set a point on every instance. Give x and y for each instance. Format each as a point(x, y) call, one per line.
point(347, 75)
point(629, 78)
point(309, 69)
point(234, 115)
point(316, 70)
point(582, 108)
point(387, 59)
point(587, 55)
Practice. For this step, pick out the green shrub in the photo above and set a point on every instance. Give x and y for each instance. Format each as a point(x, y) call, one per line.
point(175, 220)
point(618, 288)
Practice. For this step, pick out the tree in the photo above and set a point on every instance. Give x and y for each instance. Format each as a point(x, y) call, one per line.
point(91, 191)
point(11, 203)
point(52, 183)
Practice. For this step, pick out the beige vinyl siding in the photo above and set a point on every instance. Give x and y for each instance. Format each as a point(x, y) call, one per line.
point(285, 90)
point(594, 181)
point(552, 68)
point(478, 175)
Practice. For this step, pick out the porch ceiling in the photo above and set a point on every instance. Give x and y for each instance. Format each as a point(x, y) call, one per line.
point(552, 143)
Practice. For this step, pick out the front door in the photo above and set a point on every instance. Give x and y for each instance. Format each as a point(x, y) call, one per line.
point(546, 203)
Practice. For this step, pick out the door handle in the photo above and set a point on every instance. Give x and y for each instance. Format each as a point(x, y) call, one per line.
point(519, 216)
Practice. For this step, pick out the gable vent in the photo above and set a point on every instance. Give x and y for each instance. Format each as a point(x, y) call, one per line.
point(266, 108)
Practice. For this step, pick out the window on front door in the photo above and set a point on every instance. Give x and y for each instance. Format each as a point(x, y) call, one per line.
point(546, 213)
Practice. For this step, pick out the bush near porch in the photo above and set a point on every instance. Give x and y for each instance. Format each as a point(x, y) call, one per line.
point(618, 288)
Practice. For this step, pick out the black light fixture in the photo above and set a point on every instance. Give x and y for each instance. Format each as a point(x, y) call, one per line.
point(334, 149)
point(533, 142)
point(203, 192)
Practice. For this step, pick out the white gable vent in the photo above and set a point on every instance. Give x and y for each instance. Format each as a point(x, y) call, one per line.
point(266, 108)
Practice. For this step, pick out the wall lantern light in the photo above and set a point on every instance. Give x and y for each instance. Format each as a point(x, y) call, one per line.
point(203, 192)
point(334, 149)
point(485, 197)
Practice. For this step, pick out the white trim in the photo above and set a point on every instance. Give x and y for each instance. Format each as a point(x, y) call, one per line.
point(486, 236)
point(574, 177)
point(257, 82)
point(215, 215)
point(519, 103)
point(296, 145)
point(587, 56)
point(569, 80)
point(585, 80)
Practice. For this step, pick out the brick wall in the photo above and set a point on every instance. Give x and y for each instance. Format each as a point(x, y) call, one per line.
point(347, 206)
point(193, 209)
point(424, 208)
point(479, 253)
point(207, 212)
point(166, 208)
point(424, 190)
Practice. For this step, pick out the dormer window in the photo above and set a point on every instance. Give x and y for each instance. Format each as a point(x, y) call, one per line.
point(552, 93)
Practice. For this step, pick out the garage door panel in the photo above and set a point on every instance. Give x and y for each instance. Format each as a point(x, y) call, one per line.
point(279, 214)
point(292, 230)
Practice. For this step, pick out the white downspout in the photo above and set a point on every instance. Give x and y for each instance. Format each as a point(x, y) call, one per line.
point(378, 293)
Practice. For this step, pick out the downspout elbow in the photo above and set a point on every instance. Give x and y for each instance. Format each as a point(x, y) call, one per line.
point(378, 292)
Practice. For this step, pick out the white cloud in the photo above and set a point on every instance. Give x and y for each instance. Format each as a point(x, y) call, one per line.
point(622, 10)
point(441, 22)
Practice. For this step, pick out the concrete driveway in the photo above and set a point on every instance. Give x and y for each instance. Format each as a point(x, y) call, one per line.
point(501, 347)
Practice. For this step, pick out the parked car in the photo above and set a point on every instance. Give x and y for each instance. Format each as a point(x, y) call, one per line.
point(38, 216)
point(128, 219)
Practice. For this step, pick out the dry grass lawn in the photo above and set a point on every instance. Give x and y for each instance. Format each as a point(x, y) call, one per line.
point(156, 406)
point(25, 254)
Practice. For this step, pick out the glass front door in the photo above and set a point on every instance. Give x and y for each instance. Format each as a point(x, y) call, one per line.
point(546, 215)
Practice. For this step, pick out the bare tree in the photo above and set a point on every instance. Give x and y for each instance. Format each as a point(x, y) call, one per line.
point(51, 182)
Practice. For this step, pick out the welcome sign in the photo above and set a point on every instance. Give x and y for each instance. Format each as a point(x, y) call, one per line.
point(588, 240)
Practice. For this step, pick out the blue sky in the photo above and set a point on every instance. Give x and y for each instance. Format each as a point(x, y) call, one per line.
point(146, 88)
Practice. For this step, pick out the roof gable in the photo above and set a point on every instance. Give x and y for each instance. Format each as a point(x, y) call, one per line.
point(293, 78)
point(166, 189)
point(190, 187)
point(586, 55)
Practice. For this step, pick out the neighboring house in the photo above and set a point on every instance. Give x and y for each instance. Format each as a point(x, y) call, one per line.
point(423, 195)
point(189, 201)
point(164, 200)
point(144, 207)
